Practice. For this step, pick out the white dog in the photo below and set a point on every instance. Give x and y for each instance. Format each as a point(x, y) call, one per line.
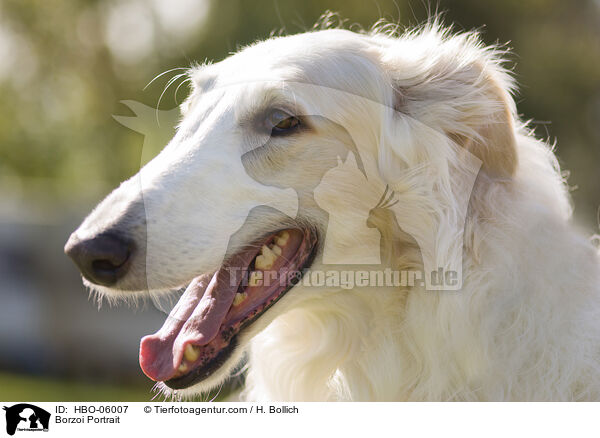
point(411, 145)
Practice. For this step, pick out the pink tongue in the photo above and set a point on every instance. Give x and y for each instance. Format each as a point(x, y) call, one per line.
point(195, 319)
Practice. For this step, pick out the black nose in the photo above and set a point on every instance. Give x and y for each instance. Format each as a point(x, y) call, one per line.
point(103, 259)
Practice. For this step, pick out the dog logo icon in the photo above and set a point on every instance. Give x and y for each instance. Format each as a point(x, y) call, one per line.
point(26, 417)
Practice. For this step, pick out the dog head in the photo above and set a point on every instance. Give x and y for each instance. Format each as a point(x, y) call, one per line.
point(274, 142)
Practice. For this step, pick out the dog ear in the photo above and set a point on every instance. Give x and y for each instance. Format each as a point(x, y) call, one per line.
point(495, 143)
point(460, 89)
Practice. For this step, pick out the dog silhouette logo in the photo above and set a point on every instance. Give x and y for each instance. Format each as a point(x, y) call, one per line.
point(26, 417)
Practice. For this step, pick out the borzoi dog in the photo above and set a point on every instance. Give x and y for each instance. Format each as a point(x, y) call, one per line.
point(355, 216)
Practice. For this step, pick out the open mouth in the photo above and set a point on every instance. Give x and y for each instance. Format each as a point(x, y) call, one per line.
point(201, 331)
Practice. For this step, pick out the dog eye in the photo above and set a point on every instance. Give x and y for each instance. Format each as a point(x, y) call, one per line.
point(281, 122)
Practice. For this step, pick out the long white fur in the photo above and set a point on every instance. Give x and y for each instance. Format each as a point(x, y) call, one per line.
point(526, 323)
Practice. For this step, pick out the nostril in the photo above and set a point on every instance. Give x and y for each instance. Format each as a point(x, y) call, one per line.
point(106, 265)
point(102, 259)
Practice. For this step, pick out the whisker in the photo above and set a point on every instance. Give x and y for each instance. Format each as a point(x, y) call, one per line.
point(162, 74)
point(188, 80)
point(217, 394)
point(171, 82)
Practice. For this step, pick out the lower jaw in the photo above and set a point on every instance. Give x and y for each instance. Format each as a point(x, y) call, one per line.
point(227, 340)
point(203, 372)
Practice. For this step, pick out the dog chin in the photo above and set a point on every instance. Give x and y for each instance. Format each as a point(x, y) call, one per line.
point(117, 296)
point(215, 380)
point(234, 361)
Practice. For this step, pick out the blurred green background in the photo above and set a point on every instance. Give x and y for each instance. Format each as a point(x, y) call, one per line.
point(66, 65)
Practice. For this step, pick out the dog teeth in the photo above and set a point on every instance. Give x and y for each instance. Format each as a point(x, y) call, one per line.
point(282, 238)
point(254, 280)
point(266, 259)
point(239, 298)
point(182, 367)
point(261, 263)
point(191, 353)
point(268, 252)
